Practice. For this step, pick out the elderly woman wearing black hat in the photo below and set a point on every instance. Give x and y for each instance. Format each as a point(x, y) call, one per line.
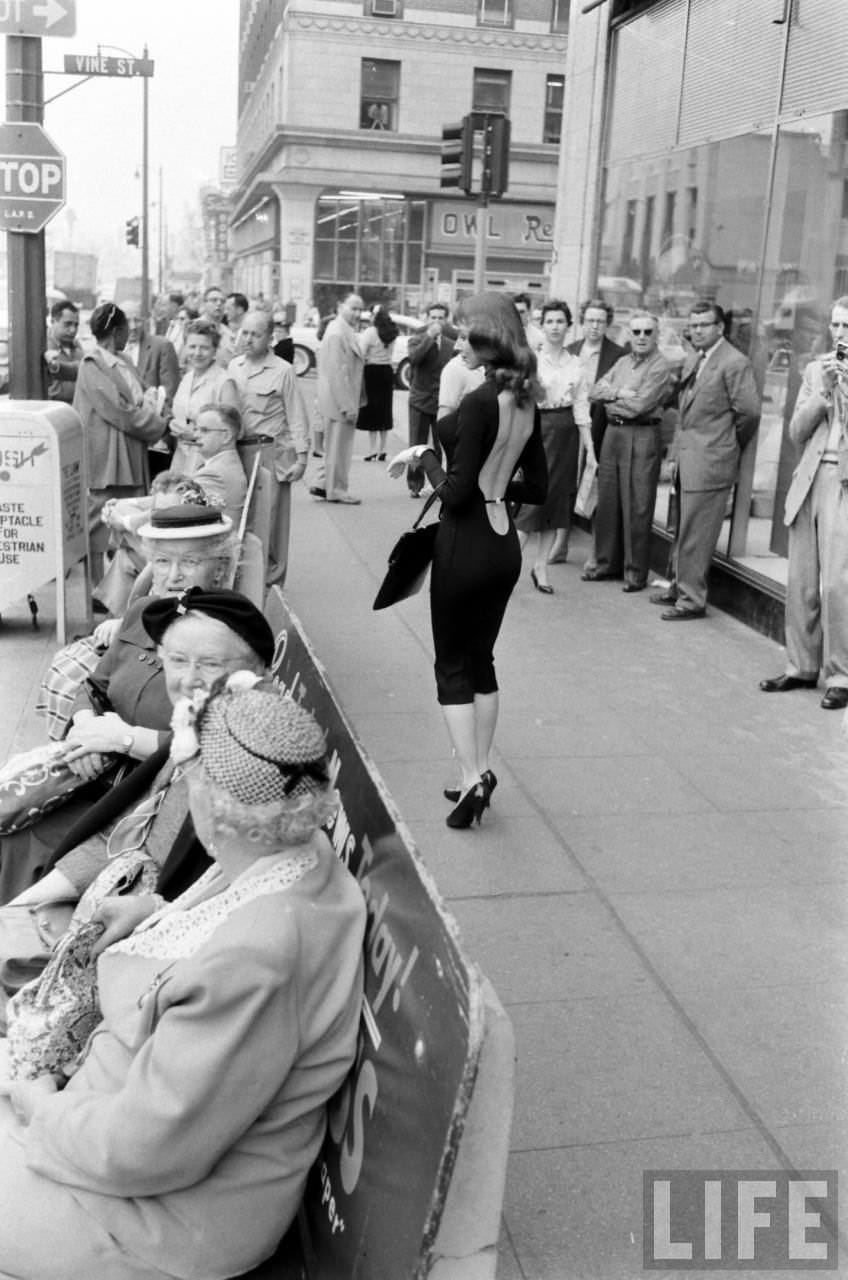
point(199, 636)
point(121, 713)
point(181, 1144)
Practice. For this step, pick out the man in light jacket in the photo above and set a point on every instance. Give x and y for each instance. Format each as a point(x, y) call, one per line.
point(340, 372)
point(816, 512)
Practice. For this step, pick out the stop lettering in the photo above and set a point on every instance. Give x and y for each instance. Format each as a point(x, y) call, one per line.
point(32, 177)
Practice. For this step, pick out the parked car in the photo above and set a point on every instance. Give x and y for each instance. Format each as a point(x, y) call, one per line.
point(306, 341)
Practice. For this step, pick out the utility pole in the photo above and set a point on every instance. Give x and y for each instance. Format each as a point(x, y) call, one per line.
point(27, 273)
point(145, 203)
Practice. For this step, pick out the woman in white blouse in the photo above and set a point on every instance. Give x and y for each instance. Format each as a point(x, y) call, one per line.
point(565, 423)
point(201, 386)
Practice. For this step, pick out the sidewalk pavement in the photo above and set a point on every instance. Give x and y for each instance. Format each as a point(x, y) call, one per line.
point(658, 892)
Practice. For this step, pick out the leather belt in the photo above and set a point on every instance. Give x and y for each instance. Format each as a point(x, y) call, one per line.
point(258, 440)
point(634, 422)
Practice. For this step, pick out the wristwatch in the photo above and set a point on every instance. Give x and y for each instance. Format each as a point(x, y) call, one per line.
point(127, 742)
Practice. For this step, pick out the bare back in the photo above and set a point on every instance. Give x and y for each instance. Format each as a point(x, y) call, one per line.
point(514, 427)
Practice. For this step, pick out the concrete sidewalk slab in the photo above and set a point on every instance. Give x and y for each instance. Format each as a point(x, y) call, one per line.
point(658, 892)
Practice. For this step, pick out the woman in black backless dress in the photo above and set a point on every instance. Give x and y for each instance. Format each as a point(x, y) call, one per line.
point(494, 434)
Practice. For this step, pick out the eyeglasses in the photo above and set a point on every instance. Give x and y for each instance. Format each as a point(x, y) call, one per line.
point(208, 669)
point(186, 564)
point(641, 333)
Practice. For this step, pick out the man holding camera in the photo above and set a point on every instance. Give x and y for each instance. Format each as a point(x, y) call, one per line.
point(817, 515)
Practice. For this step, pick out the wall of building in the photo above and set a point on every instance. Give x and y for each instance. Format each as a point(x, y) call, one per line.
point(300, 127)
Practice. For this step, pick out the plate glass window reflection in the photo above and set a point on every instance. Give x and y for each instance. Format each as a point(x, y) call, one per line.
point(705, 198)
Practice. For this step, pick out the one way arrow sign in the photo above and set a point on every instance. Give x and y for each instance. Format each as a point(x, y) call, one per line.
point(38, 17)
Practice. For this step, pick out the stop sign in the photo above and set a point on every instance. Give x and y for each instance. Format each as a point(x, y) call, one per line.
point(32, 178)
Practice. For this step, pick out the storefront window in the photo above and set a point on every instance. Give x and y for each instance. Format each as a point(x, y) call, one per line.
point(373, 245)
point(705, 199)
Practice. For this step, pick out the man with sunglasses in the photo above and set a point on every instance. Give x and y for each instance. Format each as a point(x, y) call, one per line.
point(719, 410)
point(633, 394)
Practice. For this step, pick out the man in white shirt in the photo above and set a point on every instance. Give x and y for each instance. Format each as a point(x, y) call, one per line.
point(264, 390)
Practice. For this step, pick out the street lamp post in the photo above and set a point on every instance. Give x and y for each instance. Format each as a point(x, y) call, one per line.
point(145, 193)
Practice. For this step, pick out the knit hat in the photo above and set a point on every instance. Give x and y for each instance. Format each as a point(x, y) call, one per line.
point(229, 607)
point(260, 745)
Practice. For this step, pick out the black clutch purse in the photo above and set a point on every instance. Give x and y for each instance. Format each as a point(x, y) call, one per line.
point(409, 560)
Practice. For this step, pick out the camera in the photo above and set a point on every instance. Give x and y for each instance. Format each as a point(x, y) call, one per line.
point(842, 350)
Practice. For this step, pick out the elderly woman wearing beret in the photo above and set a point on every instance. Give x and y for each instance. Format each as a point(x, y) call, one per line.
point(199, 636)
point(181, 1145)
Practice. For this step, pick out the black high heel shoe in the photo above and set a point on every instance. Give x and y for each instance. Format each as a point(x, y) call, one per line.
point(381, 457)
point(488, 780)
point(370, 457)
point(470, 808)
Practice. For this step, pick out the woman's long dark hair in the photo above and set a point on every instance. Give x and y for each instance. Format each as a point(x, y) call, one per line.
point(496, 335)
point(386, 328)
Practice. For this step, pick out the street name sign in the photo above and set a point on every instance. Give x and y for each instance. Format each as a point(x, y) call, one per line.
point(38, 17)
point(32, 177)
point(94, 64)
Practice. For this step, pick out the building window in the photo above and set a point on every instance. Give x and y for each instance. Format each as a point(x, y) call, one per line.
point(554, 93)
point(559, 15)
point(491, 90)
point(383, 8)
point(378, 108)
point(494, 13)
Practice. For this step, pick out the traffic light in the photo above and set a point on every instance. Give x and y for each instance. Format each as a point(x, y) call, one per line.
point(496, 155)
point(131, 232)
point(457, 155)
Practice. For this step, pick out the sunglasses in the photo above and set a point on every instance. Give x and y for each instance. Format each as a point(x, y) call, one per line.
point(641, 333)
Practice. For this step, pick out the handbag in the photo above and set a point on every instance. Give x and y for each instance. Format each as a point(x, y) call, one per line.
point(587, 495)
point(28, 935)
point(409, 560)
point(34, 782)
point(49, 1020)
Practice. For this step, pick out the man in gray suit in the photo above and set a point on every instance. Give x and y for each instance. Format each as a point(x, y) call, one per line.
point(340, 370)
point(816, 512)
point(719, 413)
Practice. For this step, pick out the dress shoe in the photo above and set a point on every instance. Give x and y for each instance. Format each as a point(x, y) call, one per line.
point(784, 683)
point(682, 615)
point(381, 457)
point(630, 587)
point(835, 698)
point(595, 575)
point(369, 457)
point(545, 587)
point(663, 597)
point(489, 783)
point(318, 492)
point(470, 808)
point(347, 499)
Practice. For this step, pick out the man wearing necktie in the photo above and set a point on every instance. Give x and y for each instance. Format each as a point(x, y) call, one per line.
point(719, 413)
point(816, 512)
